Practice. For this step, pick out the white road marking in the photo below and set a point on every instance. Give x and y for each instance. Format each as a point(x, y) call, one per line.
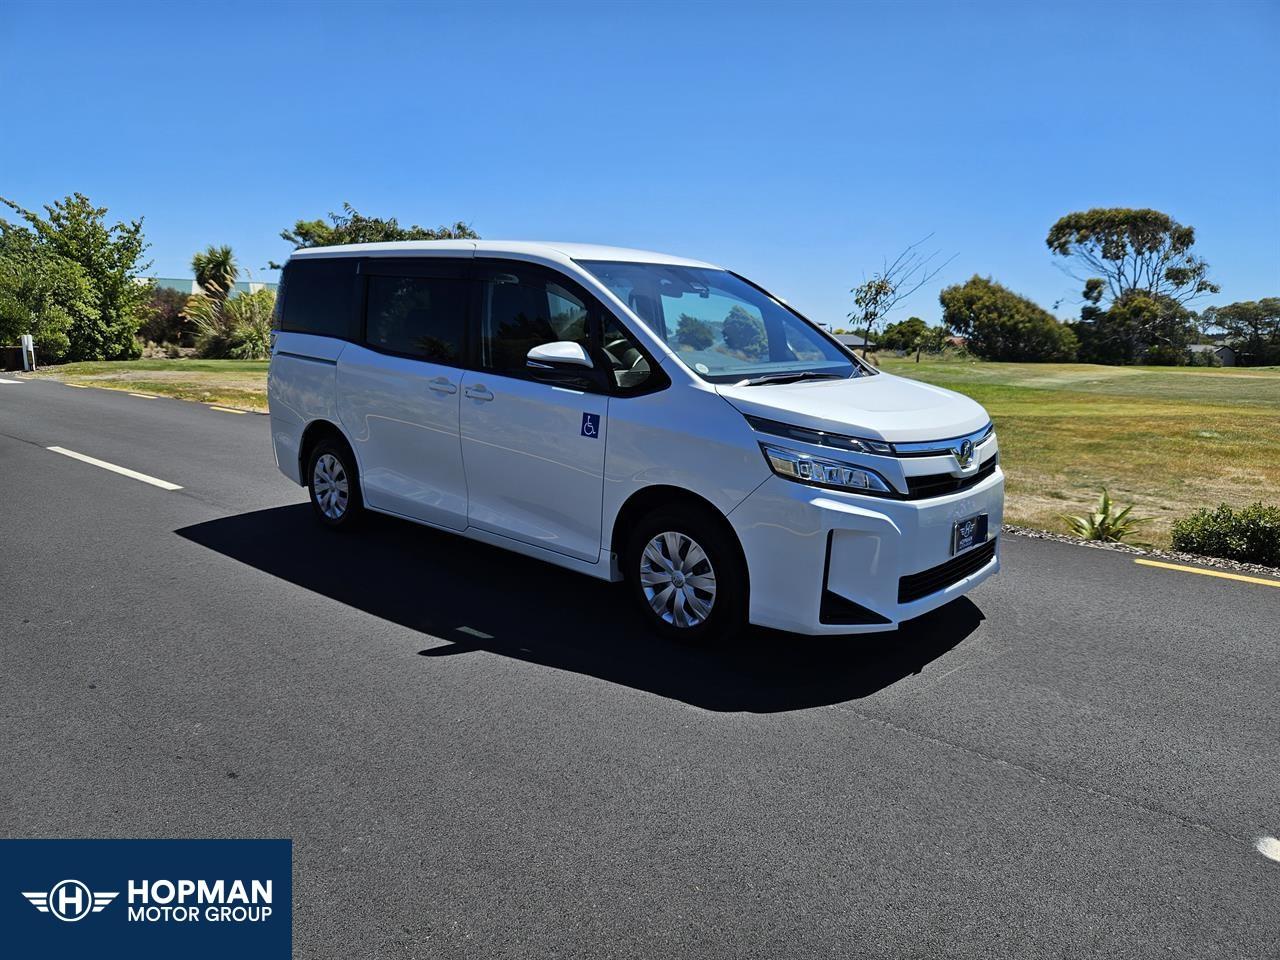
point(123, 471)
point(1269, 847)
point(78, 386)
point(224, 409)
point(145, 396)
point(10, 381)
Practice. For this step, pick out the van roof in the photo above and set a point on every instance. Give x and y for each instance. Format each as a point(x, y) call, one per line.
point(544, 250)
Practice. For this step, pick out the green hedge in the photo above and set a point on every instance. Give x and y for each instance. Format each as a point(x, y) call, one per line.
point(1250, 535)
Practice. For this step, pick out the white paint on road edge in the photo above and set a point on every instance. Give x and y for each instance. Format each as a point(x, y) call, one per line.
point(1269, 847)
point(145, 396)
point(123, 471)
point(10, 381)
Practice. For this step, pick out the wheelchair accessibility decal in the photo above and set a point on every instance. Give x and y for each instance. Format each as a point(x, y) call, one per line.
point(591, 425)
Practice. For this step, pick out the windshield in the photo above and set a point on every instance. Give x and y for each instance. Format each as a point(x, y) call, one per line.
point(722, 327)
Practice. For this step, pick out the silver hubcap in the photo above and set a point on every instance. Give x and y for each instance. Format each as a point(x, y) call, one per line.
point(330, 485)
point(678, 579)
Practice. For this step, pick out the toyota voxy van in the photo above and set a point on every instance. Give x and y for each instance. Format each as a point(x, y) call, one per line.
point(635, 417)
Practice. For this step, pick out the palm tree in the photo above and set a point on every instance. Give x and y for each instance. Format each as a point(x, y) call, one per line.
point(215, 271)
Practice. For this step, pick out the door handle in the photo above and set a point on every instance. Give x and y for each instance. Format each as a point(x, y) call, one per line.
point(442, 385)
point(479, 392)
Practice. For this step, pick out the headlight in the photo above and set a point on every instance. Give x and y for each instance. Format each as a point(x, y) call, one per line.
point(820, 437)
point(821, 472)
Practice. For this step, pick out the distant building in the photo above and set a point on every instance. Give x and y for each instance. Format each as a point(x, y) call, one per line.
point(185, 285)
point(852, 339)
point(1223, 352)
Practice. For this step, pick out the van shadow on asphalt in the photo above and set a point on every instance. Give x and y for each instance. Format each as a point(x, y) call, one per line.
point(457, 589)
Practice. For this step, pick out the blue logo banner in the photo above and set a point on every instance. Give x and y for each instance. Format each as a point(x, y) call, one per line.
point(145, 899)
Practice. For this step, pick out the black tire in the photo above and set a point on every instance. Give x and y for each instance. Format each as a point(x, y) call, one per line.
point(321, 471)
point(727, 613)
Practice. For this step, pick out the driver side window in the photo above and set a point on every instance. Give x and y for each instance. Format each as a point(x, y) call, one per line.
point(523, 312)
point(629, 366)
point(526, 306)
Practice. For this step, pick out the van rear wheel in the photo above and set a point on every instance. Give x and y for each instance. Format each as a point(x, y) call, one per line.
point(334, 484)
point(686, 575)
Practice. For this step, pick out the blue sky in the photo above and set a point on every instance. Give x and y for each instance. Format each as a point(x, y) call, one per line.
point(798, 144)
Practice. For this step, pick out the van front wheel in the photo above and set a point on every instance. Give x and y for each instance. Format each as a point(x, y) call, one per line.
point(686, 575)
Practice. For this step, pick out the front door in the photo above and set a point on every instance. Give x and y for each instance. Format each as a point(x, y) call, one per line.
point(533, 451)
point(399, 394)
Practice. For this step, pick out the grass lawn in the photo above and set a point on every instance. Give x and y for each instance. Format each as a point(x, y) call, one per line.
point(1170, 439)
point(229, 383)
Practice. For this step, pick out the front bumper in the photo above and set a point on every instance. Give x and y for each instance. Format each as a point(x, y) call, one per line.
point(827, 562)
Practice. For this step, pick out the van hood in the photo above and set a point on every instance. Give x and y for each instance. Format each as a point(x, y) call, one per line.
point(878, 407)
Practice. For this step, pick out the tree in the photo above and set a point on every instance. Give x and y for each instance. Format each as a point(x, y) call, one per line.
point(1252, 326)
point(351, 226)
point(1167, 327)
point(1000, 325)
point(1206, 324)
point(877, 295)
point(905, 335)
point(41, 294)
point(744, 332)
point(1137, 328)
point(109, 261)
point(933, 340)
point(216, 271)
point(1119, 251)
point(694, 333)
point(165, 322)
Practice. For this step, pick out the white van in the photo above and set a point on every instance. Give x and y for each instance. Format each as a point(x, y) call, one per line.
point(632, 416)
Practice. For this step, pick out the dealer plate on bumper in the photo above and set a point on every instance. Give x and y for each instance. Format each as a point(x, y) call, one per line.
point(967, 533)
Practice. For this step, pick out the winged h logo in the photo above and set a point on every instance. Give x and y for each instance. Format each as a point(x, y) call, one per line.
point(70, 900)
point(964, 453)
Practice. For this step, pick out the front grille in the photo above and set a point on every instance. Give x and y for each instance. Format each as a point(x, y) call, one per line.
point(918, 585)
point(940, 484)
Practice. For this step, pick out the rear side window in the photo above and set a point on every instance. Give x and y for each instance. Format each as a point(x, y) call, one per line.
point(320, 297)
point(420, 317)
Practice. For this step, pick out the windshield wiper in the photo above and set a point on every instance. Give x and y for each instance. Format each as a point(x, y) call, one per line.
point(788, 378)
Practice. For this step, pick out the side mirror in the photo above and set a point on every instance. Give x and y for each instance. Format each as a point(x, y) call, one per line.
point(561, 355)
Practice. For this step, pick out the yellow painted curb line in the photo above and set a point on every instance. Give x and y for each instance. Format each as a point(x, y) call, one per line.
point(224, 409)
point(1208, 573)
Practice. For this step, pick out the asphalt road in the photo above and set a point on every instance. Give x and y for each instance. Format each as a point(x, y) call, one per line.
point(478, 755)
